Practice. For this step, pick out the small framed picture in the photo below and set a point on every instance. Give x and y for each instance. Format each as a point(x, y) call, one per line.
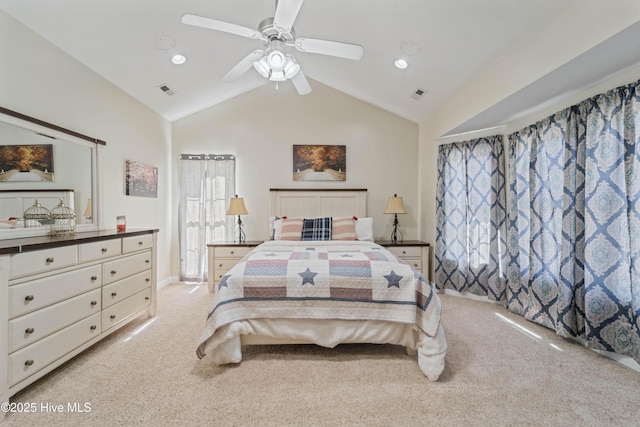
point(141, 179)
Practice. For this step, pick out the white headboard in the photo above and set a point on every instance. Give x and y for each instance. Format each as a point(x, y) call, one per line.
point(312, 203)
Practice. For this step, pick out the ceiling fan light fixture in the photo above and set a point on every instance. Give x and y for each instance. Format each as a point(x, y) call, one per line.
point(276, 60)
point(277, 76)
point(291, 68)
point(262, 67)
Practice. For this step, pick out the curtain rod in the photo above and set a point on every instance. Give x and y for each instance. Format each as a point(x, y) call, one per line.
point(207, 157)
point(472, 133)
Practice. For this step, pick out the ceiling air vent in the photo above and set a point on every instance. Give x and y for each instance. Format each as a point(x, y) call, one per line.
point(418, 94)
point(166, 89)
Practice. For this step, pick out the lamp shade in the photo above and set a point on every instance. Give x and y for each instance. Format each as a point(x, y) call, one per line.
point(395, 205)
point(88, 210)
point(236, 206)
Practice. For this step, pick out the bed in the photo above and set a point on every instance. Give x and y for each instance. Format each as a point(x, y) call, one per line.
point(324, 292)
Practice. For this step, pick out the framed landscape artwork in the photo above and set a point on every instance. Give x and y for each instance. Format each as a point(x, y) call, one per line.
point(141, 179)
point(319, 163)
point(26, 163)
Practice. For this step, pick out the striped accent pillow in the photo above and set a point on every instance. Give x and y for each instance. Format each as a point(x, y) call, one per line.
point(343, 229)
point(291, 229)
point(316, 229)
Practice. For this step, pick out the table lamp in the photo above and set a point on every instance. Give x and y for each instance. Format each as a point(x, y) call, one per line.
point(395, 206)
point(237, 207)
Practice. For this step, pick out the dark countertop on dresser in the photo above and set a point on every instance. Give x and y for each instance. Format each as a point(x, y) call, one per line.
point(24, 244)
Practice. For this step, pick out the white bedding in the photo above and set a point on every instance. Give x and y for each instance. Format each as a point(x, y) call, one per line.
point(313, 314)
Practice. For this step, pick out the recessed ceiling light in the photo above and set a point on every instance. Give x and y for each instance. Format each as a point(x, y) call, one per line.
point(401, 64)
point(178, 59)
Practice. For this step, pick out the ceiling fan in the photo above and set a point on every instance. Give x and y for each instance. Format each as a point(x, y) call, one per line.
point(276, 35)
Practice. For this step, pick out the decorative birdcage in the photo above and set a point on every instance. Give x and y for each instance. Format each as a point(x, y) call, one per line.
point(63, 220)
point(37, 215)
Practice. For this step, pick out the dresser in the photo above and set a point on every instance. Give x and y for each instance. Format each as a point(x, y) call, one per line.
point(59, 296)
point(414, 252)
point(223, 256)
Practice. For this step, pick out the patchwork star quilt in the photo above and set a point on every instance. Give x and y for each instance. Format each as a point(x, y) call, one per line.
point(351, 280)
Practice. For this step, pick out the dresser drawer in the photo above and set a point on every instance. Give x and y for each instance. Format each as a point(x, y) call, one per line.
point(415, 263)
point(28, 263)
point(406, 251)
point(125, 267)
point(31, 359)
point(136, 243)
point(98, 250)
point(222, 266)
point(231, 252)
point(122, 289)
point(30, 296)
point(115, 314)
point(31, 327)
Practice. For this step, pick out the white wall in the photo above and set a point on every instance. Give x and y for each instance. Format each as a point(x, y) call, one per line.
point(261, 127)
point(40, 80)
point(570, 34)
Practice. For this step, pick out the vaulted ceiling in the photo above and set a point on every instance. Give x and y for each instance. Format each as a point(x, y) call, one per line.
point(446, 43)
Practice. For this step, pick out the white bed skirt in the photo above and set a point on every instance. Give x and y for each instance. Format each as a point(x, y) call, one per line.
point(226, 345)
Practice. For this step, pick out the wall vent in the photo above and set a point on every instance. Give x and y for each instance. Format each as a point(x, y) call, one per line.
point(418, 94)
point(166, 89)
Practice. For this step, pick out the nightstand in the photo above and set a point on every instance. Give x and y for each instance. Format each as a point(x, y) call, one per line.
point(223, 256)
point(413, 252)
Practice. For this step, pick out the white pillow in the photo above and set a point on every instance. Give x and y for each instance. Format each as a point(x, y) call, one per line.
point(364, 229)
point(275, 226)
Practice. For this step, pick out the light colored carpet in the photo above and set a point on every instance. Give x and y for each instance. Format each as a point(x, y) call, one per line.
point(496, 374)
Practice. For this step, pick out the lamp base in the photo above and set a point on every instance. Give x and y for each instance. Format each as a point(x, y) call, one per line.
point(394, 233)
point(241, 237)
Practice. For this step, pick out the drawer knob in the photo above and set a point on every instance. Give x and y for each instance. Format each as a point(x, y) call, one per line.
point(93, 303)
point(219, 265)
point(113, 272)
point(147, 261)
point(49, 260)
point(94, 278)
point(104, 250)
point(404, 252)
point(139, 243)
point(146, 298)
point(232, 252)
point(113, 316)
point(113, 294)
point(29, 298)
point(28, 362)
point(29, 331)
point(93, 327)
point(147, 280)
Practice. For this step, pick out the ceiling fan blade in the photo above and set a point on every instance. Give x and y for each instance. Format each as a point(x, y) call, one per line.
point(301, 84)
point(326, 47)
point(213, 24)
point(286, 13)
point(243, 66)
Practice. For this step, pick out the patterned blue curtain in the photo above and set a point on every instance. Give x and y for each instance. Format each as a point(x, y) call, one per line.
point(574, 222)
point(470, 253)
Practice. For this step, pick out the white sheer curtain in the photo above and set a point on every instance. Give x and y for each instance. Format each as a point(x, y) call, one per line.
point(206, 184)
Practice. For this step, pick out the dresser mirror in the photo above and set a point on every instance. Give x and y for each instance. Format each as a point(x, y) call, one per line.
point(44, 163)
